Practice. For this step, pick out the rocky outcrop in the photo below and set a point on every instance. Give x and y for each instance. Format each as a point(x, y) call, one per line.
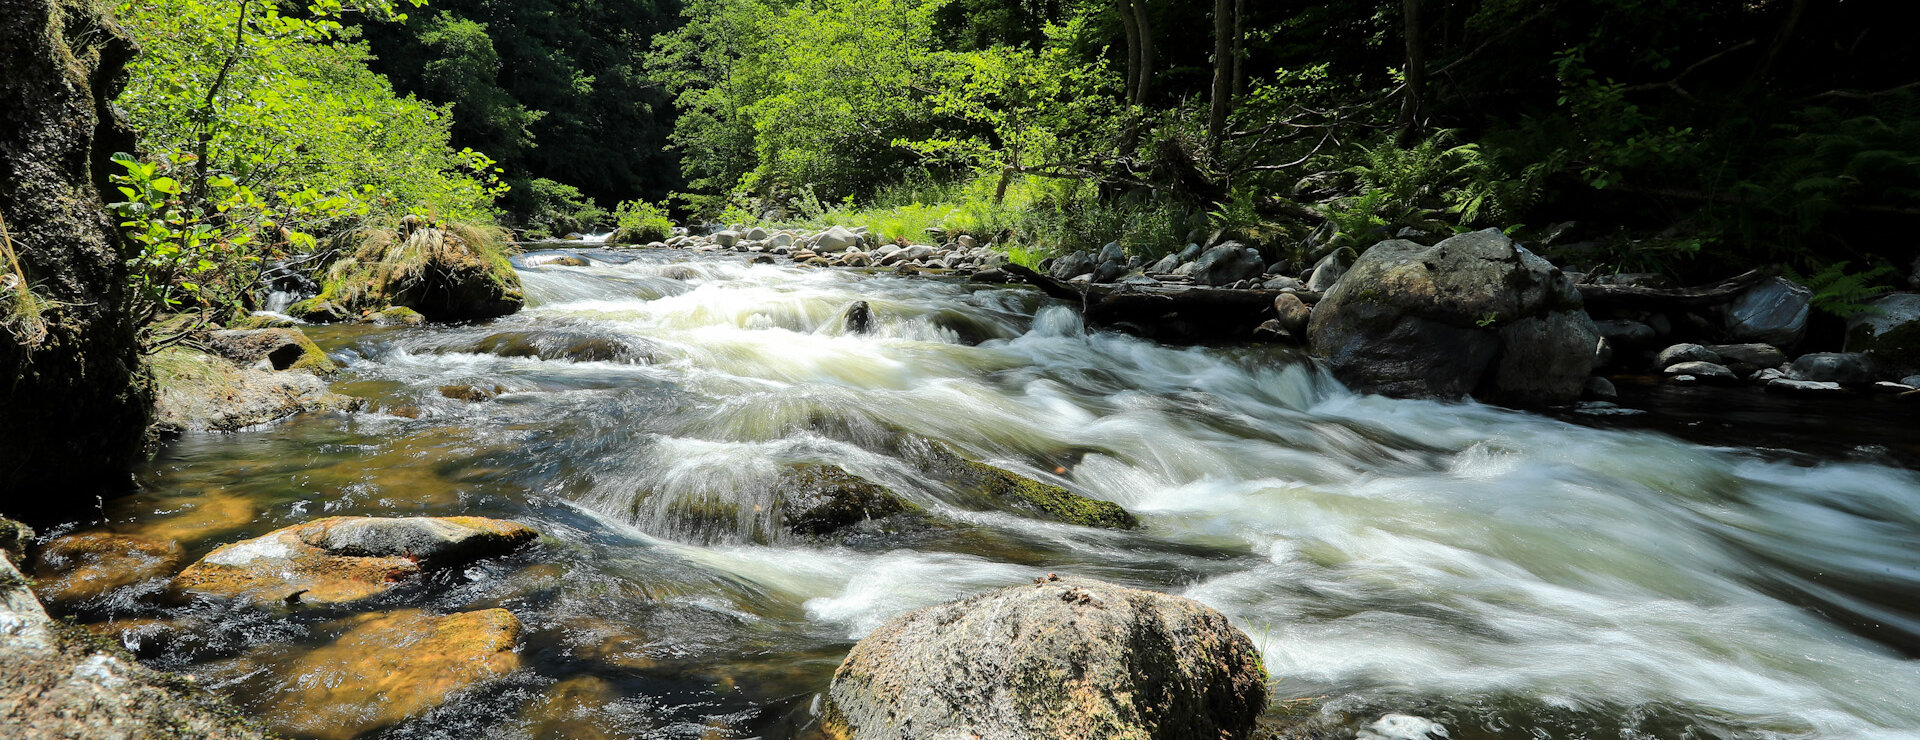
point(271, 349)
point(1060, 658)
point(387, 667)
point(447, 273)
point(56, 682)
point(204, 393)
point(75, 400)
point(344, 559)
point(1475, 314)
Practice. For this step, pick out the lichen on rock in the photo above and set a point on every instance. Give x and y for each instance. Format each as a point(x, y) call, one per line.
point(344, 559)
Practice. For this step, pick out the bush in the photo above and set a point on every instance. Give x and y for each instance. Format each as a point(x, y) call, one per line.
point(639, 222)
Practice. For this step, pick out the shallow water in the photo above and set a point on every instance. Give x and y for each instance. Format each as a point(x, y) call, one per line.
point(1514, 575)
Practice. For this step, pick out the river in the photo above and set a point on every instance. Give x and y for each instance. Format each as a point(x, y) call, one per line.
point(1600, 573)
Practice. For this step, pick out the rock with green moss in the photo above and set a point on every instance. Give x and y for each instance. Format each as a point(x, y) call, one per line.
point(1889, 333)
point(821, 499)
point(397, 316)
point(261, 321)
point(446, 273)
point(271, 349)
point(203, 392)
point(1002, 488)
point(1058, 658)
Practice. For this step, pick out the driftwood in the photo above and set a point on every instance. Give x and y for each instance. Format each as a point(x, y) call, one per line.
point(1627, 297)
point(1177, 314)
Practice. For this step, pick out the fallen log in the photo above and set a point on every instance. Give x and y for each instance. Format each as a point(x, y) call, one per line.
point(1175, 314)
point(1634, 298)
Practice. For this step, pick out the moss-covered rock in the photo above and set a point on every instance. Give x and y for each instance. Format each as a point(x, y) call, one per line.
point(820, 499)
point(1889, 333)
point(397, 316)
point(343, 559)
point(202, 392)
point(261, 321)
point(446, 273)
point(387, 667)
point(1006, 488)
point(280, 349)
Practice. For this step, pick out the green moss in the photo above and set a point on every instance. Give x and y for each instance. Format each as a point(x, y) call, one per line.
point(818, 499)
point(398, 316)
point(1009, 488)
point(312, 359)
point(260, 321)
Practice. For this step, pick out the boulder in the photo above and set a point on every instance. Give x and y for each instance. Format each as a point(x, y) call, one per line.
point(200, 392)
point(57, 683)
point(1774, 312)
point(1679, 353)
point(1109, 271)
point(1625, 334)
point(1060, 658)
point(390, 666)
point(271, 349)
point(1474, 314)
point(1292, 313)
point(344, 559)
point(1328, 270)
point(1889, 333)
point(836, 239)
point(1226, 264)
point(725, 239)
point(79, 568)
point(397, 316)
point(1599, 389)
point(1112, 252)
point(1071, 265)
point(1747, 358)
point(858, 318)
point(756, 234)
point(1165, 266)
point(1845, 368)
point(449, 272)
point(74, 399)
point(967, 242)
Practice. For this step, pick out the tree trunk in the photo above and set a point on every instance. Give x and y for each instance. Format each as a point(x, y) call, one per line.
point(1416, 73)
point(1145, 29)
point(74, 404)
point(1222, 103)
point(1125, 8)
point(1239, 48)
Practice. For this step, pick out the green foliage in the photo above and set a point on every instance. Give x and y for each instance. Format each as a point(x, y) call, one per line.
point(1842, 293)
point(556, 209)
point(187, 252)
point(640, 222)
point(22, 312)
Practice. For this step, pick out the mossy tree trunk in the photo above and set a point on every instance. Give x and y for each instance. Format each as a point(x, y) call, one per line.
point(73, 405)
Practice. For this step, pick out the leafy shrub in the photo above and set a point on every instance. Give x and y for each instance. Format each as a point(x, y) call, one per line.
point(1842, 293)
point(640, 222)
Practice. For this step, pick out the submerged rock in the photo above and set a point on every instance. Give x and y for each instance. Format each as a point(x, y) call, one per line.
point(342, 559)
point(1680, 353)
point(996, 487)
point(1474, 314)
point(820, 499)
point(1061, 658)
point(1748, 358)
point(79, 568)
point(56, 682)
point(1845, 368)
point(391, 666)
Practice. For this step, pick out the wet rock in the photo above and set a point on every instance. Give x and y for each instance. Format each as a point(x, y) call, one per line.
point(1061, 658)
point(1747, 358)
point(1292, 313)
point(1226, 264)
point(1165, 266)
point(1790, 386)
point(1679, 353)
point(575, 708)
point(278, 349)
point(1888, 332)
point(447, 273)
point(991, 275)
point(993, 487)
point(819, 499)
point(343, 559)
point(1272, 330)
point(56, 684)
point(80, 568)
point(967, 241)
point(388, 667)
point(1599, 389)
point(1845, 368)
point(858, 318)
point(1474, 314)
point(1887, 388)
point(1189, 253)
point(262, 320)
point(1112, 252)
point(552, 259)
point(1402, 727)
point(1071, 265)
point(471, 393)
point(1704, 372)
point(1109, 271)
point(1282, 282)
point(1328, 271)
point(725, 239)
point(201, 392)
point(1774, 312)
point(756, 234)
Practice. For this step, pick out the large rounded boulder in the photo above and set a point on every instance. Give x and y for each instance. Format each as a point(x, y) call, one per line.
point(1475, 314)
point(1060, 658)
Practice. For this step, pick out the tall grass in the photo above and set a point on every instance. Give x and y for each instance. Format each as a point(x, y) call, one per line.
point(22, 314)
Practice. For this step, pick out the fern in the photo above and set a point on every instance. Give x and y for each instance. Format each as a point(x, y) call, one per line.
point(1844, 294)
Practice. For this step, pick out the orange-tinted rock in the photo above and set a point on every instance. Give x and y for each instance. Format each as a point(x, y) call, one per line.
point(81, 567)
point(341, 559)
point(391, 666)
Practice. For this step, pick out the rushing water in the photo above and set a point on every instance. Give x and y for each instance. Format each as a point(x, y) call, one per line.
point(1511, 574)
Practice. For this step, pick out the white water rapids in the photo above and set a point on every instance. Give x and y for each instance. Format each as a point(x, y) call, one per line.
point(1519, 574)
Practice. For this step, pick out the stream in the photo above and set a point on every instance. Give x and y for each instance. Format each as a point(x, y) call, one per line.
point(1603, 572)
